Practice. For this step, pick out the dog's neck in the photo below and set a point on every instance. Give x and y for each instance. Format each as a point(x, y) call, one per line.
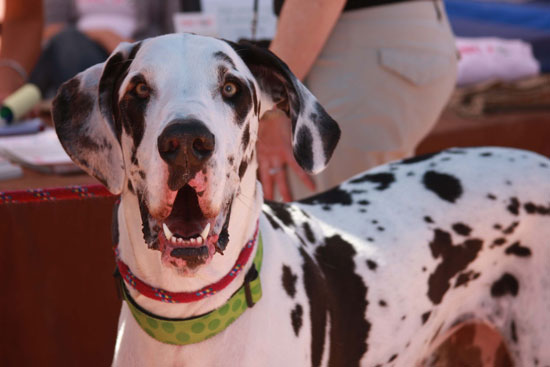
point(146, 263)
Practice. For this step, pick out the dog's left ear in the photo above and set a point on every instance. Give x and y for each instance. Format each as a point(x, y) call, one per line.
point(314, 133)
point(84, 115)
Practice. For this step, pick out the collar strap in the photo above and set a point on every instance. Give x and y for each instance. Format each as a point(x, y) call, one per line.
point(186, 297)
point(196, 329)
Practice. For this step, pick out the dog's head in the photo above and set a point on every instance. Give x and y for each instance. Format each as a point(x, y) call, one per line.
point(173, 120)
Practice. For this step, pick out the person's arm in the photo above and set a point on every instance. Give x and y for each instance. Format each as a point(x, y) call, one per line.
point(21, 38)
point(302, 31)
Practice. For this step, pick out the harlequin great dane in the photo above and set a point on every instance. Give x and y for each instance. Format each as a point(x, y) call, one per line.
point(374, 272)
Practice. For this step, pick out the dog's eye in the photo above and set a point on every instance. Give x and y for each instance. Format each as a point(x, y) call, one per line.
point(142, 90)
point(229, 89)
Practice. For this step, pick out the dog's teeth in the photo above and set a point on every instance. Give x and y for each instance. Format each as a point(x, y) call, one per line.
point(205, 231)
point(192, 240)
point(181, 240)
point(167, 231)
point(200, 240)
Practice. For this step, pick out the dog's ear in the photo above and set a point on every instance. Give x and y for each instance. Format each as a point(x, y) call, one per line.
point(84, 113)
point(314, 133)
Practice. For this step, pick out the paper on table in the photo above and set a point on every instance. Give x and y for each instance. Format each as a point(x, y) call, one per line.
point(41, 151)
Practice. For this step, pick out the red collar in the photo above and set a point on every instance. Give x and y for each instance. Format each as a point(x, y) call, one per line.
point(186, 297)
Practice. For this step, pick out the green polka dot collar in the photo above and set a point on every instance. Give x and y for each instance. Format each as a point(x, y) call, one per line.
point(199, 328)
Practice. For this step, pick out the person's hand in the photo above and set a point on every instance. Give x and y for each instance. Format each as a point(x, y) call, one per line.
point(275, 156)
point(106, 38)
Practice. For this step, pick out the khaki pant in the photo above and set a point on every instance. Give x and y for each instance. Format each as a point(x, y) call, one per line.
point(385, 74)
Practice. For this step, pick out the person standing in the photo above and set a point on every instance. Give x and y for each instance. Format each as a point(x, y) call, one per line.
point(383, 69)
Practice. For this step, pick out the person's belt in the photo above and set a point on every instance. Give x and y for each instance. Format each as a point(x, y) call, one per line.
point(360, 4)
point(350, 4)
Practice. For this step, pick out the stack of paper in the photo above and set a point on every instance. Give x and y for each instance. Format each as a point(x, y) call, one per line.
point(42, 152)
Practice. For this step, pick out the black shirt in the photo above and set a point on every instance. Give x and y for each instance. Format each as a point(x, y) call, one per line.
point(350, 4)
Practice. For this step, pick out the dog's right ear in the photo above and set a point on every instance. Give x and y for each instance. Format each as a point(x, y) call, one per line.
point(85, 116)
point(314, 133)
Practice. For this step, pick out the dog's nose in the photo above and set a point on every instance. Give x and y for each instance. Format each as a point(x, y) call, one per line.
point(186, 143)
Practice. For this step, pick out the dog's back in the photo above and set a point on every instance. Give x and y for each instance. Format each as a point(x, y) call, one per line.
point(399, 255)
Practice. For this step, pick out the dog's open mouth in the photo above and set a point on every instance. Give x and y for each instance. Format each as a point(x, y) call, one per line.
point(188, 237)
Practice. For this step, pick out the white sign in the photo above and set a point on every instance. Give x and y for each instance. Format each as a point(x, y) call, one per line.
point(233, 19)
point(199, 23)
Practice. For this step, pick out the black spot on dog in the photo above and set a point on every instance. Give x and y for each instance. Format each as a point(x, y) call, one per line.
point(384, 180)
point(349, 330)
point(303, 150)
point(428, 219)
point(513, 207)
point(272, 221)
point(454, 259)
point(282, 212)
point(130, 187)
point(445, 186)
point(308, 232)
point(242, 168)
point(392, 358)
point(363, 202)
point(114, 72)
point(532, 208)
point(289, 281)
point(462, 229)
point(230, 160)
point(381, 229)
point(149, 238)
point(296, 318)
point(498, 242)
point(246, 137)
point(254, 97)
point(316, 291)
point(133, 158)
point(382, 303)
point(513, 331)
point(419, 158)
point(464, 278)
point(491, 197)
point(372, 265)
point(506, 284)
point(328, 130)
point(333, 196)
point(486, 154)
point(426, 316)
point(518, 250)
point(511, 228)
